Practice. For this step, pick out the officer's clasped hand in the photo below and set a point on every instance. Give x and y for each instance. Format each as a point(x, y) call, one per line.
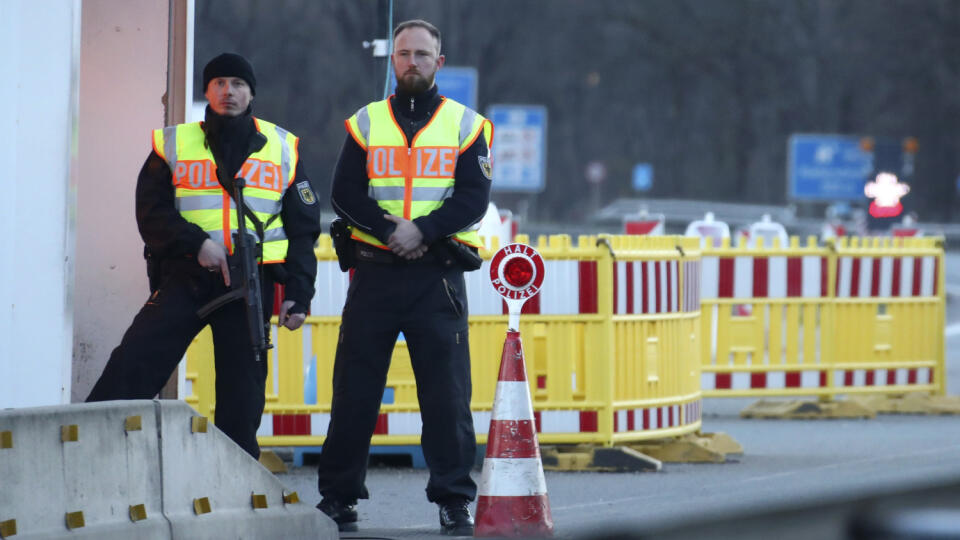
point(406, 240)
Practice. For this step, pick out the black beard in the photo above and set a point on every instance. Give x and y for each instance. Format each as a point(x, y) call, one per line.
point(416, 85)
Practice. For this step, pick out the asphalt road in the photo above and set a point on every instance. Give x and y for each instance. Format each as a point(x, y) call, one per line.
point(787, 463)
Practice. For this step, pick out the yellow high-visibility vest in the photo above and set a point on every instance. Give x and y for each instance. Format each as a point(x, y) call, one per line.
point(201, 199)
point(412, 179)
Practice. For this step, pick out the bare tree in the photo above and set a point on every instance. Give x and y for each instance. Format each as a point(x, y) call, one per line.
point(708, 92)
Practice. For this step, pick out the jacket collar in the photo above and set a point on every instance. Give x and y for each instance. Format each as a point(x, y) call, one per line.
point(415, 106)
point(216, 126)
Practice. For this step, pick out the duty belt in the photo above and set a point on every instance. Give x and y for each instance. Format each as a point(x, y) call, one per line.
point(371, 254)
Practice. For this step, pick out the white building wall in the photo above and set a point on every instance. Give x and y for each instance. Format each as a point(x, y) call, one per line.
point(123, 82)
point(38, 91)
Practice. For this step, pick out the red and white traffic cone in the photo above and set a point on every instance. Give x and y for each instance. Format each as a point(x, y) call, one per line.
point(512, 498)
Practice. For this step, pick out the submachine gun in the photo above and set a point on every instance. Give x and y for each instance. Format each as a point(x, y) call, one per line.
point(245, 281)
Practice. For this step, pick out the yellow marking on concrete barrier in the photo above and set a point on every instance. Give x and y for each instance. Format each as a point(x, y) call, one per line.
point(198, 424)
point(8, 528)
point(291, 498)
point(201, 506)
point(6, 439)
point(138, 512)
point(272, 462)
point(75, 520)
point(69, 433)
point(258, 500)
point(133, 423)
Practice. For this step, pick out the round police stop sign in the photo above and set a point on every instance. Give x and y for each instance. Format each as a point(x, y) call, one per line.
point(516, 272)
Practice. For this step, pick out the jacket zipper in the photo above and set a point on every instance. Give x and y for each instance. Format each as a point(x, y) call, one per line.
point(408, 188)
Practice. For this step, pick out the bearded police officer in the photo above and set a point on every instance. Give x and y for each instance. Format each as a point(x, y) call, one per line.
point(188, 221)
point(413, 182)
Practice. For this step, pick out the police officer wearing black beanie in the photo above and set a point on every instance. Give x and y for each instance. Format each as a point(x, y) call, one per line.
point(184, 223)
point(230, 65)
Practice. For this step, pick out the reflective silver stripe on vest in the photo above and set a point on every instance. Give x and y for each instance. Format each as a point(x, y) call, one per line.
point(262, 206)
point(274, 234)
point(284, 155)
point(256, 204)
point(170, 147)
point(363, 124)
point(215, 202)
point(200, 202)
point(217, 236)
point(385, 193)
point(466, 122)
point(420, 194)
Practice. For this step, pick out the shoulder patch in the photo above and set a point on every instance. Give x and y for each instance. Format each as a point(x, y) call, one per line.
point(306, 193)
point(486, 167)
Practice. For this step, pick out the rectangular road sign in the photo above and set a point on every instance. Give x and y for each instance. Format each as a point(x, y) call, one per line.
point(827, 168)
point(458, 84)
point(642, 177)
point(519, 147)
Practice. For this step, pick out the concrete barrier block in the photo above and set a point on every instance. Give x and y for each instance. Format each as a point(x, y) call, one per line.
point(137, 469)
point(81, 460)
point(200, 464)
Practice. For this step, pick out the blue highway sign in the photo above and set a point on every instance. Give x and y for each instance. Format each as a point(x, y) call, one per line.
point(519, 147)
point(827, 168)
point(642, 177)
point(458, 84)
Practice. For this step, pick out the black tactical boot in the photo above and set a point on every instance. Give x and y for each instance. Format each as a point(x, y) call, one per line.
point(345, 515)
point(455, 518)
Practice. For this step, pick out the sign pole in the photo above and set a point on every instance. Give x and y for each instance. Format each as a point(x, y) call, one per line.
point(516, 273)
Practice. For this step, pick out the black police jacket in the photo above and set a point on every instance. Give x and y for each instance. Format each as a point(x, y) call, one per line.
point(465, 207)
point(173, 242)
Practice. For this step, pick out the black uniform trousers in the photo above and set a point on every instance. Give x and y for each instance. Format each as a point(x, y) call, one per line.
point(428, 303)
point(159, 336)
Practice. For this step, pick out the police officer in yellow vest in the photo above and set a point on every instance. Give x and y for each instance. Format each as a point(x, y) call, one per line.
point(413, 182)
point(187, 220)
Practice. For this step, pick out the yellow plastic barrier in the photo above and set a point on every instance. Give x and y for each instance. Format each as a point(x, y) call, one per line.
point(610, 344)
point(859, 316)
point(655, 314)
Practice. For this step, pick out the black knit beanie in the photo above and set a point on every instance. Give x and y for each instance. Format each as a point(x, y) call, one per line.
point(230, 65)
